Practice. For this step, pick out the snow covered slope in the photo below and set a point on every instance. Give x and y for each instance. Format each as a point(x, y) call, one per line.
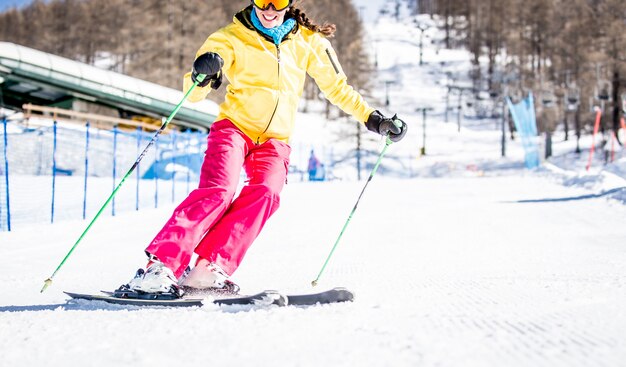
point(469, 260)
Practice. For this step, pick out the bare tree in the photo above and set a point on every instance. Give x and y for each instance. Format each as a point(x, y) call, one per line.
point(156, 40)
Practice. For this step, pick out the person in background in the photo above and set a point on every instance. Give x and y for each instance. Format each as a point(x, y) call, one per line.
point(265, 53)
point(314, 164)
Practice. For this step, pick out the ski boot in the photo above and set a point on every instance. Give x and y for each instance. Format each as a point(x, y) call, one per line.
point(157, 279)
point(207, 278)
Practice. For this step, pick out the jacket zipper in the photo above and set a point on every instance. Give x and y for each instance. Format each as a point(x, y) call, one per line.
point(332, 61)
point(277, 98)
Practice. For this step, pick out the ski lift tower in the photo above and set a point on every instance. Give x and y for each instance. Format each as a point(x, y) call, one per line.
point(421, 27)
point(548, 102)
point(387, 84)
point(450, 80)
point(460, 90)
point(572, 104)
point(423, 110)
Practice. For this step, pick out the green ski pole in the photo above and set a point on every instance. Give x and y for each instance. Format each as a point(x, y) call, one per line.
point(380, 158)
point(48, 281)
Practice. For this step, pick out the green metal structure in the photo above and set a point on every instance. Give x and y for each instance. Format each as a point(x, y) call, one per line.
point(39, 78)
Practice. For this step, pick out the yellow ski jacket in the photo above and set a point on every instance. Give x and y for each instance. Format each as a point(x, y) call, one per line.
point(266, 80)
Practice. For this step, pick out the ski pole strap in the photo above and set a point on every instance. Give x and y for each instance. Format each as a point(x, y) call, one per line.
point(48, 281)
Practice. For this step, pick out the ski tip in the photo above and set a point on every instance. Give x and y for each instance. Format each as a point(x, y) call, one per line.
point(345, 294)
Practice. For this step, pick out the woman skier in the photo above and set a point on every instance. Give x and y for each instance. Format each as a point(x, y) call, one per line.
point(265, 53)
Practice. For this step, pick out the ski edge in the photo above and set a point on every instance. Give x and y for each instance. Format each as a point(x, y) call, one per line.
point(265, 298)
point(137, 301)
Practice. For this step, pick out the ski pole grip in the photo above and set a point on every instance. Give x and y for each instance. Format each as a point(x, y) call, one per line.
point(396, 121)
point(200, 78)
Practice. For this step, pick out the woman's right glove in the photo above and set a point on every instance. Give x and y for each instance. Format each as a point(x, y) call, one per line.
point(209, 64)
point(386, 126)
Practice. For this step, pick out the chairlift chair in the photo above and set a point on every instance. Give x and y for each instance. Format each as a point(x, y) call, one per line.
point(548, 99)
point(572, 98)
point(603, 91)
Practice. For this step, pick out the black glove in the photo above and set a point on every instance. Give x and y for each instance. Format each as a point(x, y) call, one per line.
point(386, 127)
point(209, 64)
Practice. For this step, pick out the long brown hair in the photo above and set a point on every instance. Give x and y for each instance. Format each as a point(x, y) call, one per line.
point(327, 29)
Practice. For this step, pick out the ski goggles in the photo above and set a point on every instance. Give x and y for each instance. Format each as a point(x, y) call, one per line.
point(278, 5)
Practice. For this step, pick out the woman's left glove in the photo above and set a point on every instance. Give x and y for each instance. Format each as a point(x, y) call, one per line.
point(385, 126)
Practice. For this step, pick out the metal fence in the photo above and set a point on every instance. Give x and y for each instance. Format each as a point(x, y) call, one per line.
point(62, 171)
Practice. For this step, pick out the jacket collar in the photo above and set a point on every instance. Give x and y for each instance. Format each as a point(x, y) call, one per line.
point(243, 17)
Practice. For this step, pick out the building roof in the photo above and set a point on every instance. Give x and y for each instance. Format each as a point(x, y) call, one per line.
point(32, 76)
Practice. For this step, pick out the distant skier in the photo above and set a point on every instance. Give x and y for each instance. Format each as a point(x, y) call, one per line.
point(265, 53)
point(313, 166)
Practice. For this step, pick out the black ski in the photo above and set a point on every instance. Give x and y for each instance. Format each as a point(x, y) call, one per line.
point(265, 298)
point(335, 295)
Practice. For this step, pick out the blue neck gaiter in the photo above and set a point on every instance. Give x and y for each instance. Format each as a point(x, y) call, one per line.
point(276, 33)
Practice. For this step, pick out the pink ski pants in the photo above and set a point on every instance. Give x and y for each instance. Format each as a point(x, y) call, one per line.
point(209, 221)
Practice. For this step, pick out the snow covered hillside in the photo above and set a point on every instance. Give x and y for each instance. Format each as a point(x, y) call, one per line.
point(457, 258)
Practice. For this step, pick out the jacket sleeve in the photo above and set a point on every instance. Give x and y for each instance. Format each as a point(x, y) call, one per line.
point(325, 69)
point(218, 43)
